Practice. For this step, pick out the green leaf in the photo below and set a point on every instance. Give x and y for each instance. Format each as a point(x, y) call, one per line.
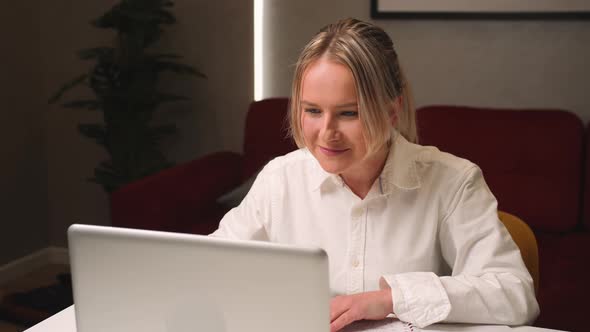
point(67, 86)
point(94, 131)
point(109, 20)
point(87, 104)
point(178, 68)
point(96, 52)
point(107, 165)
point(165, 56)
point(157, 16)
point(109, 180)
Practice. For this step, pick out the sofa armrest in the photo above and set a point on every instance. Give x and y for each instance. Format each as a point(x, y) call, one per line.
point(176, 197)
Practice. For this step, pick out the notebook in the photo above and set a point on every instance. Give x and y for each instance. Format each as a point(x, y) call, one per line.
point(138, 280)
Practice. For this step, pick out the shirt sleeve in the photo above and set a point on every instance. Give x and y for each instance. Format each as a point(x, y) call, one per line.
point(489, 283)
point(250, 219)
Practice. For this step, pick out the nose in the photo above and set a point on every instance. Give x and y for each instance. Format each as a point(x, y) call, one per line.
point(330, 130)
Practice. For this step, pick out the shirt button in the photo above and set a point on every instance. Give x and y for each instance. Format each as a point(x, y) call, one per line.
point(355, 263)
point(356, 213)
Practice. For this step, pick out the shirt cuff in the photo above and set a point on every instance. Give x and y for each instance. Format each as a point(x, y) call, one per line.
point(418, 297)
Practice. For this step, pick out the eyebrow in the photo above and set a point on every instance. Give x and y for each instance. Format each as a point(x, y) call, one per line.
point(350, 104)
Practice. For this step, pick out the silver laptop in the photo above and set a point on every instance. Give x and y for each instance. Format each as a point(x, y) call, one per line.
point(143, 281)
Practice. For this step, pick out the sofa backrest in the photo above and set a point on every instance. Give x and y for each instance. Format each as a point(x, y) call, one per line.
point(531, 159)
point(266, 134)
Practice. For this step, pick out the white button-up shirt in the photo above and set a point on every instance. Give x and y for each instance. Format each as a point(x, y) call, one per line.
point(428, 229)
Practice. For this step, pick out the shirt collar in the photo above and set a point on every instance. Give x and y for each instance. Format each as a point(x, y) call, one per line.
point(400, 167)
point(321, 177)
point(399, 170)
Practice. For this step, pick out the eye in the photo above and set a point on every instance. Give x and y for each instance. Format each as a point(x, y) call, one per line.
point(312, 111)
point(349, 114)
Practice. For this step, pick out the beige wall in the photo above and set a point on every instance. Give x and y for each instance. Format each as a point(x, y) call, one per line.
point(480, 63)
point(24, 225)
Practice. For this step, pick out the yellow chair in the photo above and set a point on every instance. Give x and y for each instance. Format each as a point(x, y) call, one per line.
point(525, 239)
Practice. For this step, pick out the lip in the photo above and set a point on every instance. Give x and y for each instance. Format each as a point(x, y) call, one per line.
point(332, 152)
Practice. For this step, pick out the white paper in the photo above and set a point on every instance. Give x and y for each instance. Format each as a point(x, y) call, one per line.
point(384, 325)
point(464, 328)
point(395, 325)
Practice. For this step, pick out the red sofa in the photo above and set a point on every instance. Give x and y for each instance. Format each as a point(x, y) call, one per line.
point(533, 161)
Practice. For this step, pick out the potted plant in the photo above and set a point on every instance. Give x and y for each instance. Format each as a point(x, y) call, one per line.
point(124, 79)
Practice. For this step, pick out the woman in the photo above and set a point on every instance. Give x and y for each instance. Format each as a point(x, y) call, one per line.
point(408, 229)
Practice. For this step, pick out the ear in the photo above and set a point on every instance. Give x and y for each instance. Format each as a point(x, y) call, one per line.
point(396, 108)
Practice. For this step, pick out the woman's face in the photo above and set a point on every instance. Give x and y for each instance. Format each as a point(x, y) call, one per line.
point(330, 122)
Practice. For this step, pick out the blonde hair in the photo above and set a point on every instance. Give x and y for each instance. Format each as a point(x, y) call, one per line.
point(369, 54)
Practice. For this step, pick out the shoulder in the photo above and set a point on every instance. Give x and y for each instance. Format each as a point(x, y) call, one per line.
point(438, 167)
point(430, 156)
point(451, 178)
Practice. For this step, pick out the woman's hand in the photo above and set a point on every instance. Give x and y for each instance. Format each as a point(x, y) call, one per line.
point(369, 305)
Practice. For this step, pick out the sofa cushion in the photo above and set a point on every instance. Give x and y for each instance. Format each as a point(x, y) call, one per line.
point(208, 221)
point(531, 159)
point(178, 197)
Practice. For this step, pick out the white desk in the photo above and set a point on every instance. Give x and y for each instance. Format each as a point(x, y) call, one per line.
point(65, 321)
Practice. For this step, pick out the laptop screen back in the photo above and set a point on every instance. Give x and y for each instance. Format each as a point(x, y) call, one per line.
point(137, 280)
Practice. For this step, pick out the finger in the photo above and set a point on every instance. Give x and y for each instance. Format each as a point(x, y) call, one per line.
point(338, 305)
point(341, 321)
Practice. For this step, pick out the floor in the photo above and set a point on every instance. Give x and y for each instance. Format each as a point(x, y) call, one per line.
point(41, 277)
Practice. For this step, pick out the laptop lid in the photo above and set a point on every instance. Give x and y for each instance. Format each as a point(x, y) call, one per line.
point(138, 280)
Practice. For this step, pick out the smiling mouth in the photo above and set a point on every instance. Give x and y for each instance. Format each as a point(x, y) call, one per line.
point(332, 152)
